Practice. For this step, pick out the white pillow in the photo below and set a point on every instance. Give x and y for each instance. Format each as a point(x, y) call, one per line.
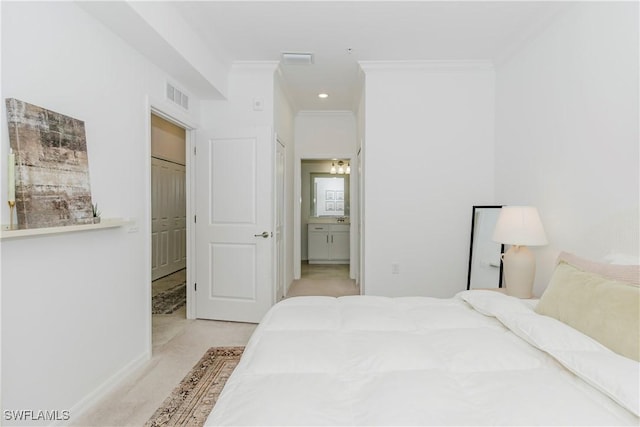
point(622, 259)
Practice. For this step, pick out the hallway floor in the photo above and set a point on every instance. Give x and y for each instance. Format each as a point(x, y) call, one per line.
point(324, 271)
point(324, 280)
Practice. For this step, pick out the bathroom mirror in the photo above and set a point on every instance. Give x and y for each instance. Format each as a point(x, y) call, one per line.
point(329, 195)
point(485, 268)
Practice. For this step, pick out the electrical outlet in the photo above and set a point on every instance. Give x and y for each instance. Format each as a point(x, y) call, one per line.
point(395, 268)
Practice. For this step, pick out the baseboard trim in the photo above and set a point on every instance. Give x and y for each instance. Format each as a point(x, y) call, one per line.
point(103, 389)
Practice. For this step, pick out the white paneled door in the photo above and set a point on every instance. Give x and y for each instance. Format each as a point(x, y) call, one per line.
point(234, 208)
point(168, 218)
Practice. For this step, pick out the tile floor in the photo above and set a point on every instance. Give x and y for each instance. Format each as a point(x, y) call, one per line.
point(324, 271)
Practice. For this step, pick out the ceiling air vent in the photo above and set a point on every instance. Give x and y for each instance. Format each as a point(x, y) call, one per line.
point(177, 96)
point(292, 58)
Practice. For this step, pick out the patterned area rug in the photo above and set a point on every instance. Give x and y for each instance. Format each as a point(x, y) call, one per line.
point(170, 300)
point(191, 402)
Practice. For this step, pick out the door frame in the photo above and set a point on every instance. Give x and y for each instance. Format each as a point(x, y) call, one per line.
point(354, 187)
point(173, 114)
point(279, 264)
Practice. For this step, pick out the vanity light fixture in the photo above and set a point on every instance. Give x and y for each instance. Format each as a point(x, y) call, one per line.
point(341, 169)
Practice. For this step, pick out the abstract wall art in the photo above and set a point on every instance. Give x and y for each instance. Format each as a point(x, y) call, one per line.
point(52, 167)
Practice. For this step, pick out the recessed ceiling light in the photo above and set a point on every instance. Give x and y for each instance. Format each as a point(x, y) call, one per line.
point(323, 95)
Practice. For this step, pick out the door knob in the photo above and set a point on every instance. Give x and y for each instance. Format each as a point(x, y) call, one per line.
point(264, 235)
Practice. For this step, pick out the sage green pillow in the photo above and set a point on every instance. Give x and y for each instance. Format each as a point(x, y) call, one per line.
point(604, 308)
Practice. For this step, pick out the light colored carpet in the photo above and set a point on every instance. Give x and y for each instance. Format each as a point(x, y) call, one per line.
point(178, 343)
point(140, 395)
point(167, 326)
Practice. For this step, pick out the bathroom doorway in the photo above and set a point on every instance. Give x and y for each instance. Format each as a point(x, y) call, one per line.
point(325, 229)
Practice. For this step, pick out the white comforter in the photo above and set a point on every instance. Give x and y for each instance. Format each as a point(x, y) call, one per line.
point(424, 361)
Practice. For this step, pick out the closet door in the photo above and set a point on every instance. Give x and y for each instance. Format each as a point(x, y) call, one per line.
point(168, 218)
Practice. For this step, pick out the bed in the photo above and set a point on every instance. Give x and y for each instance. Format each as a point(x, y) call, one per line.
point(480, 358)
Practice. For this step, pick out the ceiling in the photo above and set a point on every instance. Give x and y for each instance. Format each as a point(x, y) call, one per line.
point(341, 33)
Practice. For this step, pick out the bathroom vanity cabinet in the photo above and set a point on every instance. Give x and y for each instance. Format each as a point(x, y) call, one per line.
point(328, 243)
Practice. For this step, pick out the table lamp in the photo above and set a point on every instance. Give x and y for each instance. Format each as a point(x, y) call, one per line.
point(519, 226)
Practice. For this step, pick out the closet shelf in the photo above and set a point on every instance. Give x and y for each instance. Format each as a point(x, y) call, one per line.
point(6, 233)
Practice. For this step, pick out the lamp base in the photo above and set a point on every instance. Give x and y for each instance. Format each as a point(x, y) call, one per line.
point(519, 271)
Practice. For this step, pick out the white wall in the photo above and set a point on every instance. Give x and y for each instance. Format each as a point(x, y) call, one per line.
point(168, 141)
point(325, 134)
point(429, 159)
point(248, 82)
point(207, 60)
point(284, 124)
point(76, 307)
point(567, 132)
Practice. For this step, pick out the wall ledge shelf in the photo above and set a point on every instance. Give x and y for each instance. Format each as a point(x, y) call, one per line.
point(6, 233)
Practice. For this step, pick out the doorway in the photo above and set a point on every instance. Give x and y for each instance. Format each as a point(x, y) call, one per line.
point(325, 229)
point(168, 229)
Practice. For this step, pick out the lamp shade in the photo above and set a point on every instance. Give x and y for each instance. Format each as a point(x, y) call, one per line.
point(519, 225)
